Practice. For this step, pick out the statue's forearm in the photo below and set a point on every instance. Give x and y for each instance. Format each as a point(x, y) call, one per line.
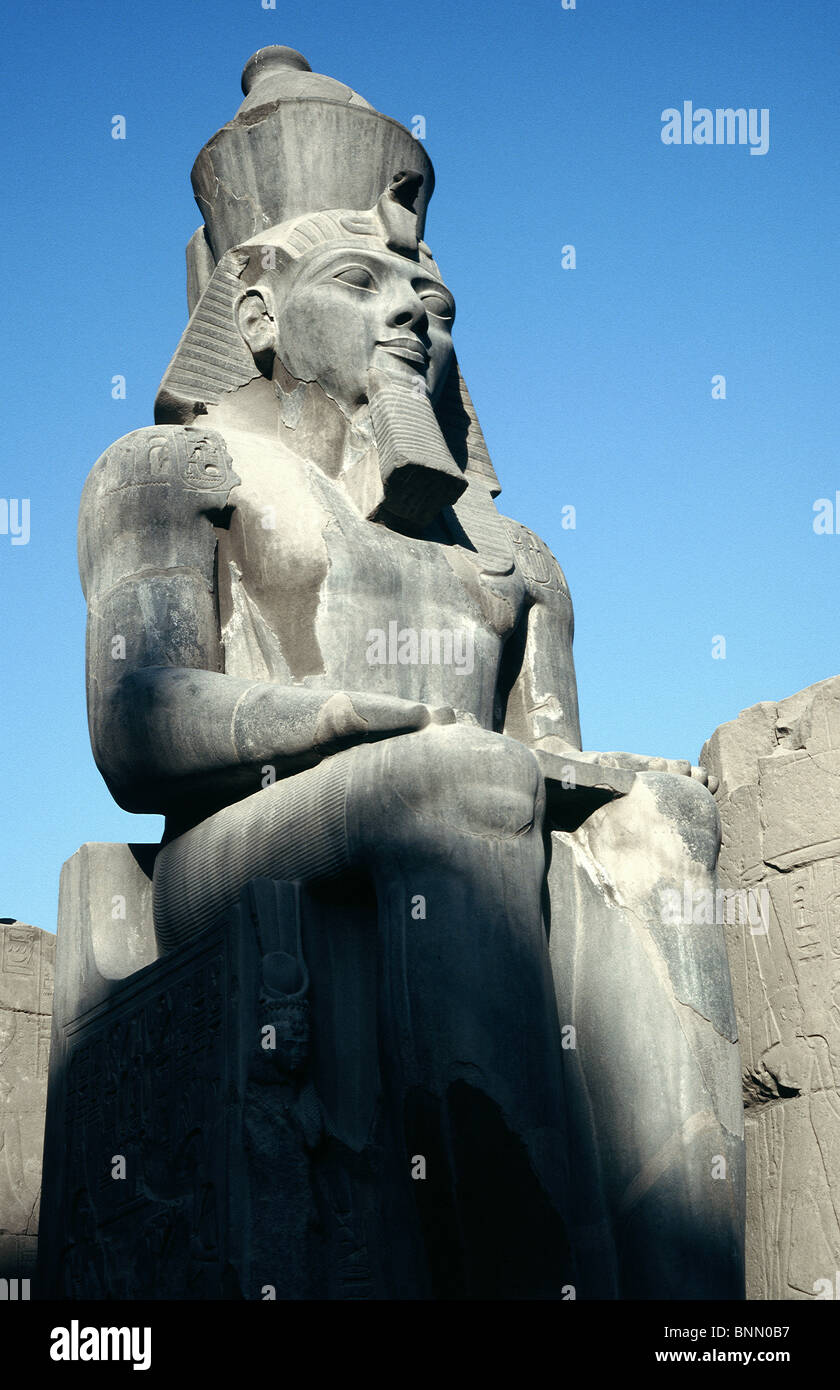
point(160, 731)
point(543, 704)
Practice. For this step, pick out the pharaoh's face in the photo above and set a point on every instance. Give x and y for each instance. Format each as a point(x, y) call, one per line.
point(342, 310)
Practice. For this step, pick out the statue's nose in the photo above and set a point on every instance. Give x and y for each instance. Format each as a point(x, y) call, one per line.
point(408, 312)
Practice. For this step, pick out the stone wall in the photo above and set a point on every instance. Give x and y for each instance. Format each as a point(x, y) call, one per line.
point(779, 800)
point(27, 964)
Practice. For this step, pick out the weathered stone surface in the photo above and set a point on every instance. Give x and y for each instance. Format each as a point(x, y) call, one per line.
point(27, 962)
point(307, 143)
point(652, 1065)
point(780, 809)
point(136, 1159)
point(317, 647)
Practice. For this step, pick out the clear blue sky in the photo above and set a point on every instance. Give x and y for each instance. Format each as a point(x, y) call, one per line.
point(593, 386)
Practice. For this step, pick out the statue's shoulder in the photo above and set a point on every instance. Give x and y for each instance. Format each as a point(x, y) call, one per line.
point(151, 501)
point(533, 558)
point(165, 461)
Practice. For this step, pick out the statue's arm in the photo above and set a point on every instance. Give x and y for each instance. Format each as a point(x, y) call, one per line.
point(542, 707)
point(539, 669)
point(172, 732)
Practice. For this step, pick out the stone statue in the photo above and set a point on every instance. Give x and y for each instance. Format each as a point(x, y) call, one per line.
point(321, 652)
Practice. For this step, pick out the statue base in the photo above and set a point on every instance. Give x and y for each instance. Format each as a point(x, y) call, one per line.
point(206, 1137)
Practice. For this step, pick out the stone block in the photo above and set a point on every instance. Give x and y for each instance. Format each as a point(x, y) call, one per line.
point(27, 963)
point(780, 811)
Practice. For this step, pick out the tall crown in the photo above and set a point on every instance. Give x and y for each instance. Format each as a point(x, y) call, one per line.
point(299, 143)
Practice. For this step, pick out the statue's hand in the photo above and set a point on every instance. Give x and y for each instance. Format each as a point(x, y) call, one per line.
point(634, 762)
point(639, 762)
point(351, 716)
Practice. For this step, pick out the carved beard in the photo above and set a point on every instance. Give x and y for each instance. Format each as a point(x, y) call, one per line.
point(419, 475)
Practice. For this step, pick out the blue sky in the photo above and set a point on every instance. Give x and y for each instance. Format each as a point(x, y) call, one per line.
point(593, 385)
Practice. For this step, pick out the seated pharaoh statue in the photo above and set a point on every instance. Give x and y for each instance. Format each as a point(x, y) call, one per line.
point(341, 667)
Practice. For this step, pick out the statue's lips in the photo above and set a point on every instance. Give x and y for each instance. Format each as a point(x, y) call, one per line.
point(411, 349)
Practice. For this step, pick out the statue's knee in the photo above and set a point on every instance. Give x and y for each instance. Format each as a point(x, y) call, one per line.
point(689, 808)
point(475, 781)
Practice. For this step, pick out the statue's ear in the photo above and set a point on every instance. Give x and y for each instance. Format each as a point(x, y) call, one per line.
point(256, 324)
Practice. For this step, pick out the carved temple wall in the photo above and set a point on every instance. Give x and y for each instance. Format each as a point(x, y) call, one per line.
point(779, 801)
point(27, 965)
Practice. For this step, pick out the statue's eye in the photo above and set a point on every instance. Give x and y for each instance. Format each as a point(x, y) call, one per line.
point(356, 275)
point(438, 305)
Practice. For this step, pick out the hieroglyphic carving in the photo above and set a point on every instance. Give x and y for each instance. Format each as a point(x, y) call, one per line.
point(170, 1118)
point(535, 559)
point(197, 457)
point(143, 1080)
point(27, 957)
point(780, 809)
point(18, 951)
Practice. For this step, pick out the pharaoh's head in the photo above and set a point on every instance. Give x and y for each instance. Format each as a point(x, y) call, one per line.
point(342, 312)
point(342, 293)
point(351, 306)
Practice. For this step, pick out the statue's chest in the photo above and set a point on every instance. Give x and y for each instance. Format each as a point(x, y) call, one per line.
point(302, 573)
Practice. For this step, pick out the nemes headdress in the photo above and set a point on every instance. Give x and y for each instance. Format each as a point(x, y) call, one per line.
point(305, 161)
